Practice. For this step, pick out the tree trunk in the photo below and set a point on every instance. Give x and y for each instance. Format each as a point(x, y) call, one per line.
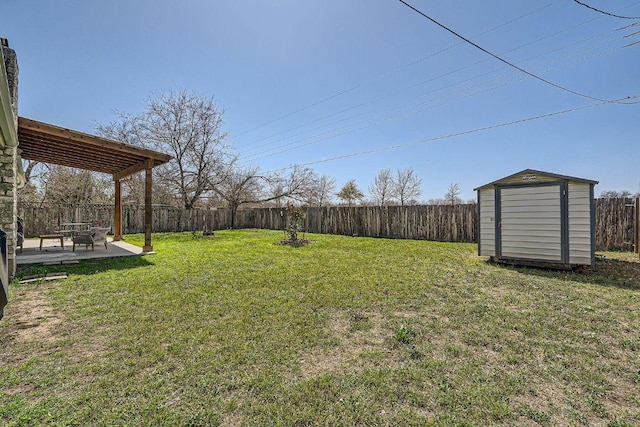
point(234, 209)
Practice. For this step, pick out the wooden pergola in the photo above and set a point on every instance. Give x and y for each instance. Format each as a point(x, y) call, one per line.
point(47, 143)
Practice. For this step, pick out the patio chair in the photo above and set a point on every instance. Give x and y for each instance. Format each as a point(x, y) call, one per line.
point(82, 238)
point(90, 237)
point(99, 235)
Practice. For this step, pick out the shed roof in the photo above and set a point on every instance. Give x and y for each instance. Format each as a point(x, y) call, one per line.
point(537, 172)
point(47, 143)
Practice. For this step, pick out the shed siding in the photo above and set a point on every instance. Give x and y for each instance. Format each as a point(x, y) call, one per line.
point(539, 179)
point(487, 222)
point(579, 223)
point(531, 222)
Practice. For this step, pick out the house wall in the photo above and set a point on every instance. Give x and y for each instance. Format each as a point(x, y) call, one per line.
point(8, 148)
point(487, 223)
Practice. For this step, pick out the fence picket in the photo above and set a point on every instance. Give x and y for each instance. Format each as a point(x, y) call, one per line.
point(614, 220)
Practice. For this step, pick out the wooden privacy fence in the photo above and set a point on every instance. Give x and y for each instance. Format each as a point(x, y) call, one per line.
point(431, 222)
point(614, 220)
point(614, 224)
point(43, 219)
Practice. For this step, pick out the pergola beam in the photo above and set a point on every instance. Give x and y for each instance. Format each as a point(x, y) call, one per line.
point(69, 135)
point(46, 143)
point(145, 164)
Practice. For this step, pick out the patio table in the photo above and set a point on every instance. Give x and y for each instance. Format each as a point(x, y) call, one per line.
point(56, 236)
point(69, 229)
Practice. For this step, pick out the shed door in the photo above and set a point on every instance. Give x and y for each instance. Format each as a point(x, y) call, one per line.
point(530, 225)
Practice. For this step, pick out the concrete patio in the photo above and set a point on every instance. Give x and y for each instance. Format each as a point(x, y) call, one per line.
point(53, 253)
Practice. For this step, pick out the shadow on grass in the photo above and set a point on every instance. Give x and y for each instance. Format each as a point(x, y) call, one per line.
point(86, 267)
point(609, 272)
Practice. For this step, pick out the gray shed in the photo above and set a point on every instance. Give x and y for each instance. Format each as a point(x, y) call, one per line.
point(535, 217)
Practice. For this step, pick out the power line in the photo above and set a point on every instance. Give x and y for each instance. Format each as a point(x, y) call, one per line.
point(510, 64)
point(321, 101)
point(383, 118)
point(264, 139)
point(297, 142)
point(451, 135)
point(415, 108)
point(604, 12)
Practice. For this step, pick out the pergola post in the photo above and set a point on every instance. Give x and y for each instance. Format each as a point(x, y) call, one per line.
point(117, 213)
point(148, 181)
point(47, 143)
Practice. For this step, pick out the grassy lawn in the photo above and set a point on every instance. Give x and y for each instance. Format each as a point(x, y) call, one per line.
point(234, 330)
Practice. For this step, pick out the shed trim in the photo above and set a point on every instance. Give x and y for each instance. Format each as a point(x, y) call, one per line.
point(537, 172)
point(497, 221)
point(593, 225)
point(564, 221)
point(478, 239)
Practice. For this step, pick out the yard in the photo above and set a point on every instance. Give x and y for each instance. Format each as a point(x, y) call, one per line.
point(233, 330)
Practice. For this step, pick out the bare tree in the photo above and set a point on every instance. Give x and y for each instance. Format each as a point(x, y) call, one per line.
point(406, 186)
point(298, 183)
point(382, 188)
point(127, 129)
point(321, 191)
point(34, 172)
point(77, 187)
point(245, 186)
point(452, 197)
point(133, 191)
point(350, 193)
point(612, 194)
point(188, 126)
point(276, 190)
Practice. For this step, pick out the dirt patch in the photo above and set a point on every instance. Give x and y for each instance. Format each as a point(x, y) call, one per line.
point(355, 334)
point(30, 318)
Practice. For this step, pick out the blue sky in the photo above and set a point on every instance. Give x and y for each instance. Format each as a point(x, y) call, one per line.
point(305, 82)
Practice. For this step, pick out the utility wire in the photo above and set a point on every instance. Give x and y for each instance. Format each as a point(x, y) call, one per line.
point(381, 119)
point(262, 141)
point(510, 64)
point(257, 144)
point(451, 135)
point(415, 108)
point(321, 101)
point(374, 122)
point(605, 12)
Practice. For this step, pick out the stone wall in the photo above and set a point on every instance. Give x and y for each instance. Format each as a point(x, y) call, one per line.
point(9, 159)
point(11, 67)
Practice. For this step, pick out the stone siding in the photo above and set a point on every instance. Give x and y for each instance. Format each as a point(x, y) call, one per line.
point(9, 161)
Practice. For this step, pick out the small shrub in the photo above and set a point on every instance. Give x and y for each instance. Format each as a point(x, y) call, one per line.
point(405, 335)
point(295, 216)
